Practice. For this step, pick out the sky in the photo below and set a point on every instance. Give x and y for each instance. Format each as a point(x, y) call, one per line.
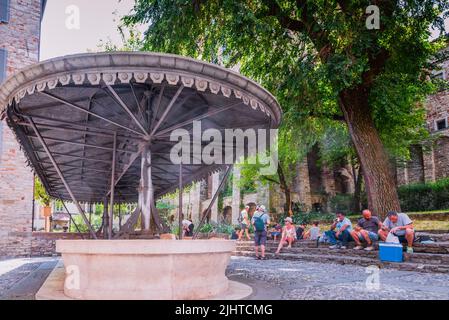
point(78, 26)
point(63, 33)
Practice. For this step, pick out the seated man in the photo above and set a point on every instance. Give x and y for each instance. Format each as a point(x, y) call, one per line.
point(366, 230)
point(343, 227)
point(401, 226)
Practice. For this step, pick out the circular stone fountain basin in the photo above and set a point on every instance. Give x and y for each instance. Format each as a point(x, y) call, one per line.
point(145, 269)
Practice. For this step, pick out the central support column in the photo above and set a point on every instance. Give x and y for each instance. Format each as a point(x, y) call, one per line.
point(146, 188)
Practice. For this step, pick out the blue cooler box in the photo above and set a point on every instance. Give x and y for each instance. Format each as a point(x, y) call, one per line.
point(391, 252)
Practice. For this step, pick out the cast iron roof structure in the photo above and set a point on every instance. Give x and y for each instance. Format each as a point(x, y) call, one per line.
point(81, 104)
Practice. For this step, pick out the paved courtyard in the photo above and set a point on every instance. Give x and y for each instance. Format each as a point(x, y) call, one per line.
point(293, 280)
point(270, 279)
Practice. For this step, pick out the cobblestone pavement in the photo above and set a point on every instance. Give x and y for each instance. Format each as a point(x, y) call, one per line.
point(21, 278)
point(270, 279)
point(293, 280)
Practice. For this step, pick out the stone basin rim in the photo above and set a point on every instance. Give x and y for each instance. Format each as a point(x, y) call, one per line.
point(144, 247)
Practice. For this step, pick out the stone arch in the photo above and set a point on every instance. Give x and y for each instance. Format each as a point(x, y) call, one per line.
point(226, 216)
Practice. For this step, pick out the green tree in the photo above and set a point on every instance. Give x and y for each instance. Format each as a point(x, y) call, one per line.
point(320, 60)
point(40, 194)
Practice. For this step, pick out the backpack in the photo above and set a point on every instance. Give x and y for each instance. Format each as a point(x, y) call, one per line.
point(259, 224)
point(240, 218)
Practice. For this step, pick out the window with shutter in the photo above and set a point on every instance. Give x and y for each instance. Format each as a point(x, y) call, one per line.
point(4, 11)
point(3, 58)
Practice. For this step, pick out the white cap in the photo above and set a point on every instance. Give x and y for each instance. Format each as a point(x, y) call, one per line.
point(262, 208)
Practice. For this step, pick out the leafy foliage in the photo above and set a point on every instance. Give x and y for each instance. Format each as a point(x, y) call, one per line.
point(308, 53)
point(40, 194)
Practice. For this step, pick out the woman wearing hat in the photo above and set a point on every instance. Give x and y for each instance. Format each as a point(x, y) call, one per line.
point(288, 234)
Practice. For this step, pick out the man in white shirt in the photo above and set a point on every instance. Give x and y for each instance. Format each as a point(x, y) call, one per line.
point(401, 226)
point(244, 223)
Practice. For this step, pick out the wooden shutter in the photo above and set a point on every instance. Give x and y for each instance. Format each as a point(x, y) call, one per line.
point(4, 10)
point(3, 58)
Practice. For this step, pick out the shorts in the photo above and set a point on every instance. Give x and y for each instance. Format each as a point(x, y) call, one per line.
point(288, 238)
point(402, 238)
point(260, 238)
point(372, 236)
point(243, 226)
point(190, 230)
point(275, 234)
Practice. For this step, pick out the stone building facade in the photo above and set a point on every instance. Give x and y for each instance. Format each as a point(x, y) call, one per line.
point(430, 161)
point(20, 24)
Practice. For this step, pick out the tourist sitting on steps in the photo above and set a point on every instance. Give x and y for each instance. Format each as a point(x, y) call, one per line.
point(300, 231)
point(260, 221)
point(276, 231)
point(366, 231)
point(244, 223)
point(288, 235)
point(400, 225)
point(340, 232)
point(313, 233)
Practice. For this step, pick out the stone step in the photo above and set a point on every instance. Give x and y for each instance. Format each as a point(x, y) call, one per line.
point(437, 247)
point(432, 258)
point(361, 261)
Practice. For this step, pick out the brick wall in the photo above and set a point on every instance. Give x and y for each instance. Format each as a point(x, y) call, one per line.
point(39, 244)
point(20, 37)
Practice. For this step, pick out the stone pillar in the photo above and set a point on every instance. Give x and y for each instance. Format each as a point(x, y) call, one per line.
point(146, 188)
point(327, 176)
point(235, 195)
point(195, 196)
point(429, 164)
point(305, 196)
point(215, 184)
point(263, 195)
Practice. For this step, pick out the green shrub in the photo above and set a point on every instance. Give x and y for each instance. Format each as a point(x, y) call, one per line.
point(309, 217)
point(341, 202)
point(425, 196)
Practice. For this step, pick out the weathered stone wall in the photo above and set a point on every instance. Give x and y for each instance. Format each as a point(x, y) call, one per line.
point(441, 158)
point(20, 37)
point(38, 244)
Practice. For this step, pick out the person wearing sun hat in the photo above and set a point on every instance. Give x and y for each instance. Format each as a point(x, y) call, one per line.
point(288, 235)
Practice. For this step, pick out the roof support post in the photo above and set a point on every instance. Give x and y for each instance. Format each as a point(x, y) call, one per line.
point(214, 198)
point(50, 156)
point(146, 188)
point(71, 218)
point(180, 202)
point(126, 108)
point(111, 207)
point(105, 218)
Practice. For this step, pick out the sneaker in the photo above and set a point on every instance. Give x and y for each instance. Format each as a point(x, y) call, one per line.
point(258, 258)
point(358, 248)
point(335, 246)
point(343, 247)
point(369, 248)
point(409, 250)
point(263, 258)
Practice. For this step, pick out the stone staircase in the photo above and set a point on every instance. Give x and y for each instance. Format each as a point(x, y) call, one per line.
point(426, 257)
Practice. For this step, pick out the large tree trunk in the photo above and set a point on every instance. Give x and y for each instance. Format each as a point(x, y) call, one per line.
point(357, 190)
point(285, 187)
point(379, 183)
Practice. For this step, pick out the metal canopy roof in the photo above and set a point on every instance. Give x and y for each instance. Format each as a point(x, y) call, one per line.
point(79, 103)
